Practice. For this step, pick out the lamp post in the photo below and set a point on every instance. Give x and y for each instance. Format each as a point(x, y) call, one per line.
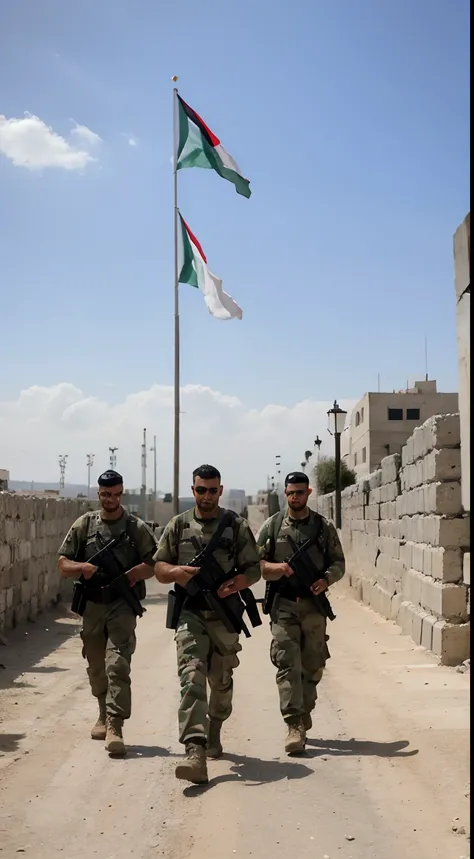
point(337, 420)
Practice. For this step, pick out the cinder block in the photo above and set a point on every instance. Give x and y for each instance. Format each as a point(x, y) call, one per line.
point(419, 443)
point(406, 554)
point(446, 601)
point(417, 623)
point(412, 586)
point(427, 631)
point(442, 431)
point(443, 498)
point(466, 568)
point(407, 611)
point(372, 528)
point(391, 468)
point(441, 531)
point(440, 465)
point(395, 604)
point(375, 479)
point(451, 642)
point(418, 556)
point(446, 564)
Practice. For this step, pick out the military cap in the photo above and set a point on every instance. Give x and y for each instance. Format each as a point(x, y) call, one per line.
point(296, 477)
point(110, 478)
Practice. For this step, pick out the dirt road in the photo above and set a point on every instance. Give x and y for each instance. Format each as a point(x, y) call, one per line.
point(384, 777)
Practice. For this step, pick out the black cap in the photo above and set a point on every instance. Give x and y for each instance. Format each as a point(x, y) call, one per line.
point(110, 478)
point(296, 477)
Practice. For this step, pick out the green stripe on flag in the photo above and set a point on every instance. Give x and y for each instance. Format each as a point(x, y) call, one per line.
point(188, 272)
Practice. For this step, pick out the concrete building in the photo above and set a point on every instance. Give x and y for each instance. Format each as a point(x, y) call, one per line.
point(234, 499)
point(4, 478)
point(381, 423)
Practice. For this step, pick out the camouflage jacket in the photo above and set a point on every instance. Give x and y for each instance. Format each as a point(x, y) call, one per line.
point(80, 541)
point(326, 554)
point(236, 549)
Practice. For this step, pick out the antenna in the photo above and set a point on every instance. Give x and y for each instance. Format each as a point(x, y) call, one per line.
point(62, 469)
point(426, 359)
point(90, 463)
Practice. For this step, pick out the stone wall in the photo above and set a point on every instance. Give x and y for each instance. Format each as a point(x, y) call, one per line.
point(406, 538)
point(31, 531)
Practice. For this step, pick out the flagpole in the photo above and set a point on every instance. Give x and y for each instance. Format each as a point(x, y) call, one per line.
point(176, 315)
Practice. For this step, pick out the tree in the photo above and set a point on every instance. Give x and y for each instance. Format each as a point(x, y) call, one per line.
point(325, 474)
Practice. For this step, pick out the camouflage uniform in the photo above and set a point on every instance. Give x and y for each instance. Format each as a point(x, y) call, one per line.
point(299, 642)
point(108, 630)
point(206, 651)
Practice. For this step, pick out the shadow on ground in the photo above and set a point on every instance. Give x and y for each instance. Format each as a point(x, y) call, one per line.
point(31, 642)
point(359, 748)
point(255, 772)
point(10, 742)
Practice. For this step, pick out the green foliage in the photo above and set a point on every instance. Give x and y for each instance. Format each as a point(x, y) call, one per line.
point(325, 475)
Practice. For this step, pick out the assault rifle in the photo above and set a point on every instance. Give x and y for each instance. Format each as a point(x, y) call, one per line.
point(206, 583)
point(306, 574)
point(109, 564)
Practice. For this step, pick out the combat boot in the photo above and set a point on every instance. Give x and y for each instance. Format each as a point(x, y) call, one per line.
point(99, 730)
point(114, 743)
point(214, 745)
point(307, 722)
point(295, 741)
point(194, 768)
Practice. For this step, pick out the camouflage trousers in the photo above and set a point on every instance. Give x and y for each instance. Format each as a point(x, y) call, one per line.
point(207, 654)
point(299, 652)
point(108, 638)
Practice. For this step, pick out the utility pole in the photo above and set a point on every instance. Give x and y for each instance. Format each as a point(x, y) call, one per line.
point(143, 489)
point(113, 458)
point(62, 470)
point(90, 463)
point(153, 450)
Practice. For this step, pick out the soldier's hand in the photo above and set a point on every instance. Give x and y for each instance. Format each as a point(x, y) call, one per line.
point(319, 587)
point(88, 570)
point(183, 575)
point(232, 586)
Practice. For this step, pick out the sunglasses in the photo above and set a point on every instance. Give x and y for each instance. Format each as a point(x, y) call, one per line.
point(105, 494)
point(296, 491)
point(201, 490)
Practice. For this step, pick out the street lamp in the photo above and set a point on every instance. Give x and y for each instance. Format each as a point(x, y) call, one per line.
point(317, 443)
point(336, 421)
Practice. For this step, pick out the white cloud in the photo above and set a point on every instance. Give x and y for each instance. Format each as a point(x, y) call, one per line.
point(218, 428)
point(131, 139)
point(30, 143)
point(85, 135)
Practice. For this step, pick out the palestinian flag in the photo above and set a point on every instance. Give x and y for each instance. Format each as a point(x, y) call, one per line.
point(193, 270)
point(197, 146)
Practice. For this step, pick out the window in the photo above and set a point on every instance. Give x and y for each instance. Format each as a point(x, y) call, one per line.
point(413, 414)
point(362, 415)
point(357, 419)
point(364, 454)
point(395, 414)
point(355, 458)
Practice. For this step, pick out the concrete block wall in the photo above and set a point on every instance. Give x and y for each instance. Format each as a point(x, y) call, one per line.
point(31, 531)
point(406, 538)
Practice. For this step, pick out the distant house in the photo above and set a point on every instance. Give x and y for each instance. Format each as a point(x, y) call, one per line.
point(381, 423)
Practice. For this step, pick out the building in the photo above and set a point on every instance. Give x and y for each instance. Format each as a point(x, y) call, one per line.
point(381, 423)
point(4, 478)
point(234, 499)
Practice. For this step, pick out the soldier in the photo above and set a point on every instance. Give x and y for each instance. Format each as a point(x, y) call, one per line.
point(206, 650)
point(298, 649)
point(108, 628)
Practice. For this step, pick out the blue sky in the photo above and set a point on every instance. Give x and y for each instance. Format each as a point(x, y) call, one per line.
point(349, 118)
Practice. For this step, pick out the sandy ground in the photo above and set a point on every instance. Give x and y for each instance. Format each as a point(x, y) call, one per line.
point(385, 775)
